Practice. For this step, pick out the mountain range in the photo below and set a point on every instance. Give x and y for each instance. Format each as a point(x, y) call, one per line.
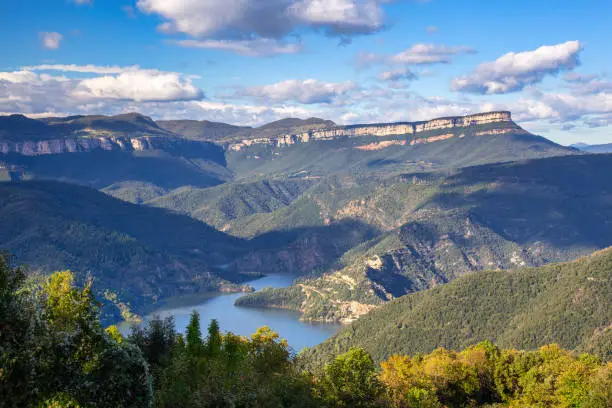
point(600, 148)
point(364, 213)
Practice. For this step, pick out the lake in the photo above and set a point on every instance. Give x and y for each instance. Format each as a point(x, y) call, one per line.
point(245, 321)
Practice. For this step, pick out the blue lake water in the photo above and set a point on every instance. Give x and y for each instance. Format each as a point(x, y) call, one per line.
point(245, 321)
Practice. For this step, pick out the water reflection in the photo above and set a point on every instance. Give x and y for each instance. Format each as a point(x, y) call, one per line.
point(244, 321)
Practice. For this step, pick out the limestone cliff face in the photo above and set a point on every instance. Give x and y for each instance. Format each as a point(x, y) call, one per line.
point(58, 146)
point(385, 129)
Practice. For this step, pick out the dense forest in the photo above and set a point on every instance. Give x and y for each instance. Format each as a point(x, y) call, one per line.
point(565, 303)
point(54, 352)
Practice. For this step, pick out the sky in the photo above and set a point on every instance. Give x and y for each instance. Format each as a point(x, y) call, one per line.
point(249, 62)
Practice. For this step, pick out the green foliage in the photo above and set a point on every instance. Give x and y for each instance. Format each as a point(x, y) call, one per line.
point(54, 353)
point(227, 370)
point(566, 303)
point(483, 375)
point(123, 247)
point(434, 227)
point(53, 348)
point(351, 381)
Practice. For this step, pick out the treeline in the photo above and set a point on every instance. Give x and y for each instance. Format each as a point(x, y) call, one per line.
point(55, 353)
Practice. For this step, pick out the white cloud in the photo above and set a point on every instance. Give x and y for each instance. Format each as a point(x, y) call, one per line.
point(422, 54)
point(32, 92)
point(81, 2)
point(340, 17)
point(89, 69)
point(514, 71)
point(260, 47)
point(308, 91)
point(418, 54)
point(51, 40)
point(397, 75)
point(18, 77)
point(236, 24)
point(587, 84)
point(139, 86)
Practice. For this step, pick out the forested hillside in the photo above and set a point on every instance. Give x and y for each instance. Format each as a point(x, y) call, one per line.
point(140, 253)
point(438, 226)
point(564, 303)
point(55, 353)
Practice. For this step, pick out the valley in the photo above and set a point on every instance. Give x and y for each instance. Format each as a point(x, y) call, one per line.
point(360, 215)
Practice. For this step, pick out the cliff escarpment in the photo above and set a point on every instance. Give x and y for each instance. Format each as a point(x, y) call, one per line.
point(135, 132)
point(416, 131)
point(58, 146)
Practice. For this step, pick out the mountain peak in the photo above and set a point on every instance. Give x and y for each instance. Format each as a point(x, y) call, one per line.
point(295, 122)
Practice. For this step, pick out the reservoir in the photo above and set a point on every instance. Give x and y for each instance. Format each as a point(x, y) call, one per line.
point(245, 321)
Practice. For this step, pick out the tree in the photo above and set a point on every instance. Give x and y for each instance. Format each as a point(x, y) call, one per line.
point(351, 381)
point(194, 335)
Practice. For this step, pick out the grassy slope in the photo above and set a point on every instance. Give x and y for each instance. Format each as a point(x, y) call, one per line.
point(565, 303)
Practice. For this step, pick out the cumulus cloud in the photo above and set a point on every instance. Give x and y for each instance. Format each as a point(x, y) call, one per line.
point(340, 17)
point(235, 24)
point(139, 86)
point(260, 47)
point(418, 54)
point(35, 91)
point(514, 71)
point(308, 91)
point(397, 75)
point(423, 54)
point(51, 40)
point(587, 84)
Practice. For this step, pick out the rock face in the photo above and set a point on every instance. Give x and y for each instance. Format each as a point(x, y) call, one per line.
point(58, 146)
point(384, 129)
point(413, 133)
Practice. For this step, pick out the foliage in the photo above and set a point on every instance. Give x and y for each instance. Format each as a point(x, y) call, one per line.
point(55, 353)
point(123, 247)
point(485, 375)
point(54, 349)
point(351, 381)
point(565, 303)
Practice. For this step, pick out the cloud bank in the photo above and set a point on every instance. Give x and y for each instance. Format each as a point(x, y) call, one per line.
point(514, 71)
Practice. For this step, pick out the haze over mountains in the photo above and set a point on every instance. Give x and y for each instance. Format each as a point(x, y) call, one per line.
point(367, 213)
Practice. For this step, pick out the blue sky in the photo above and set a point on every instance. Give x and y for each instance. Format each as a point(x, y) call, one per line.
point(250, 62)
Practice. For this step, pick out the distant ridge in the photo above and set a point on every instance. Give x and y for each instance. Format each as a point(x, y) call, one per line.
point(600, 148)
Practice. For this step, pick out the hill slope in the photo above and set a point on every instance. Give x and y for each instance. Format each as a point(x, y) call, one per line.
point(141, 253)
point(602, 148)
point(392, 154)
point(524, 308)
point(200, 130)
point(436, 227)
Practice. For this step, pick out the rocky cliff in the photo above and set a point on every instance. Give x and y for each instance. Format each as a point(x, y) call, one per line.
point(90, 138)
point(57, 146)
point(414, 129)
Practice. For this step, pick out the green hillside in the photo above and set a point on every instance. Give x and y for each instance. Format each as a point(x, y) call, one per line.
point(141, 253)
point(436, 227)
point(220, 205)
point(18, 128)
point(565, 303)
point(200, 130)
point(176, 164)
point(346, 155)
